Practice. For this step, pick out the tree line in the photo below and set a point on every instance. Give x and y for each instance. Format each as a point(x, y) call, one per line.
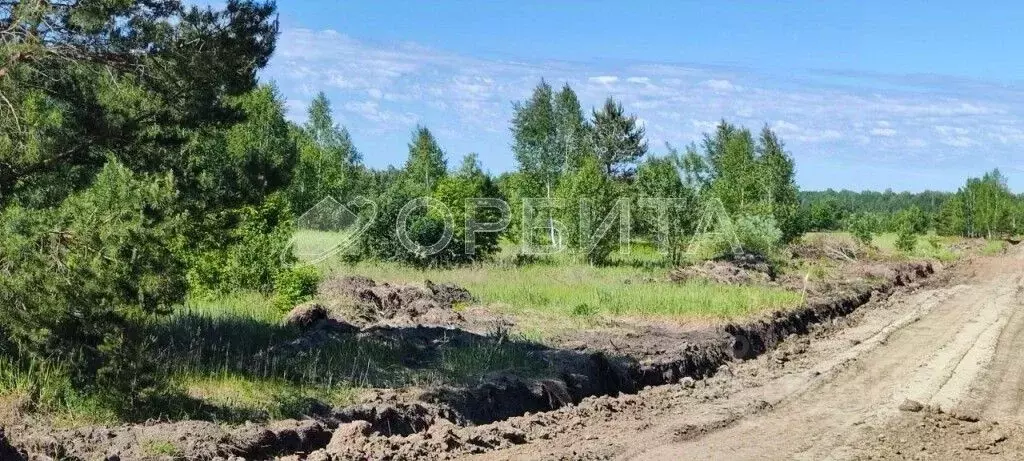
point(983, 207)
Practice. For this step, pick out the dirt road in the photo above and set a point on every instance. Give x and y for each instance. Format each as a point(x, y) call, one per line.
point(850, 392)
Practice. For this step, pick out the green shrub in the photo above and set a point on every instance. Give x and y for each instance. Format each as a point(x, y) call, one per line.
point(862, 227)
point(583, 310)
point(295, 285)
point(906, 241)
point(758, 234)
point(252, 255)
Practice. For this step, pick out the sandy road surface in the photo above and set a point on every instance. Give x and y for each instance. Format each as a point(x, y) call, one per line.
point(957, 349)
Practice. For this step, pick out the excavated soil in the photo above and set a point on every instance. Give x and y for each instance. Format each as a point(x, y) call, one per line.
point(741, 269)
point(593, 380)
point(361, 301)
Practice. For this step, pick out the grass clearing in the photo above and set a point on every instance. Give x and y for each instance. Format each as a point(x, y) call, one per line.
point(552, 297)
point(313, 245)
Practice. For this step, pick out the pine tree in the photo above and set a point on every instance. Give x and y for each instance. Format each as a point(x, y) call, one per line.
point(952, 219)
point(618, 140)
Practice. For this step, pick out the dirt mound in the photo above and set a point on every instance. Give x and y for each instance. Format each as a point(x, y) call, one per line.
point(398, 418)
point(362, 301)
point(826, 246)
point(181, 440)
point(306, 315)
point(936, 435)
point(741, 269)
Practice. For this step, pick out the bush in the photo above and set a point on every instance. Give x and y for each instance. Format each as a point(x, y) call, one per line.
point(254, 252)
point(862, 227)
point(758, 234)
point(906, 240)
point(380, 241)
point(295, 285)
point(746, 234)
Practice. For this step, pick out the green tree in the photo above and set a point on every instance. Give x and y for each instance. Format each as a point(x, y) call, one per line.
point(588, 197)
point(535, 148)
point(457, 192)
point(984, 207)
point(952, 219)
point(130, 128)
point(862, 227)
point(735, 174)
point(778, 178)
point(618, 140)
point(131, 79)
point(82, 277)
point(572, 132)
point(237, 183)
point(666, 205)
point(426, 165)
point(329, 163)
point(906, 240)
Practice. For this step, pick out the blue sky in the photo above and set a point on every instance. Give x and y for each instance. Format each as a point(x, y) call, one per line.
point(907, 95)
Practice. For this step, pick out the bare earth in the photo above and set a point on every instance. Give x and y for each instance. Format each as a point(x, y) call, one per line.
point(847, 392)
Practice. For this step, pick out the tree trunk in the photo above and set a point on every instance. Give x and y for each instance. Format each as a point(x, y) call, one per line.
point(551, 219)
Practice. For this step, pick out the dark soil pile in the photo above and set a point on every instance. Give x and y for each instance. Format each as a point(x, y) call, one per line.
point(361, 301)
point(739, 269)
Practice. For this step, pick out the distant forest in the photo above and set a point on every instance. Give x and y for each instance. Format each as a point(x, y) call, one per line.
point(878, 202)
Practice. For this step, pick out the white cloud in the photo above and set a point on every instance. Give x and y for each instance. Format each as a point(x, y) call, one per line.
point(720, 85)
point(784, 126)
point(884, 132)
point(372, 111)
point(604, 79)
point(958, 141)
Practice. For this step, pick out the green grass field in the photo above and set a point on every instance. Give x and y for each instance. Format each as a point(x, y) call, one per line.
point(314, 246)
